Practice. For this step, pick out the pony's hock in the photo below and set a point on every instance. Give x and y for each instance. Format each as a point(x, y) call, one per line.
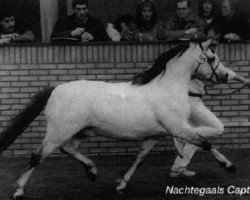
point(154, 104)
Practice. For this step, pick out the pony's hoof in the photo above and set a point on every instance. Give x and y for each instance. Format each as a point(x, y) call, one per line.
point(231, 169)
point(91, 176)
point(19, 194)
point(19, 197)
point(206, 145)
point(121, 187)
point(121, 191)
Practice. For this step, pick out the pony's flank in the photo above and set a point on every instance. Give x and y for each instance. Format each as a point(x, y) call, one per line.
point(159, 65)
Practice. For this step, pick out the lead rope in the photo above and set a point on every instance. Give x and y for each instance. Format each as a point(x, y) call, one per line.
point(225, 94)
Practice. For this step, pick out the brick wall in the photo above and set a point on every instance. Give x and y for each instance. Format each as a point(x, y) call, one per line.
point(24, 70)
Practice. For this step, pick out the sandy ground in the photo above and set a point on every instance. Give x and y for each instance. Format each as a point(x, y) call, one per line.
point(62, 178)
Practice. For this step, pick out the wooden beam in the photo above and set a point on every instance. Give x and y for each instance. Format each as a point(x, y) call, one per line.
point(49, 16)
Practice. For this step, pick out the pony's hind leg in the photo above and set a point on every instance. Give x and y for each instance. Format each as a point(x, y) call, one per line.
point(147, 145)
point(54, 138)
point(36, 158)
point(70, 148)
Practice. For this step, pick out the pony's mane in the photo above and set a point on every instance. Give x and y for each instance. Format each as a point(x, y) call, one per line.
point(159, 65)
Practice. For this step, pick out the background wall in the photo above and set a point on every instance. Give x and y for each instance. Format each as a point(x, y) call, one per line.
point(24, 70)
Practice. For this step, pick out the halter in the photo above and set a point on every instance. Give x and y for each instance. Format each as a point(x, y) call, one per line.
point(220, 79)
point(204, 59)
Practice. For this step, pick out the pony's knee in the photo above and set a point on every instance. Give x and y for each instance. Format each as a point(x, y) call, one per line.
point(220, 128)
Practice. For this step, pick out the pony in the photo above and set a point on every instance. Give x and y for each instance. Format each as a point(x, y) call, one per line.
point(153, 105)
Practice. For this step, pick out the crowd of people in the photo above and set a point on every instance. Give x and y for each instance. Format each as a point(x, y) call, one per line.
point(143, 26)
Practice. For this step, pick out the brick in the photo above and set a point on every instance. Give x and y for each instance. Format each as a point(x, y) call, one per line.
point(28, 78)
point(96, 71)
point(66, 66)
point(125, 65)
point(39, 72)
point(9, 78)
point(125, 77)
point(4, 73)
point(20, 95)
point(67, 77)
point(76, 71)
point(67, 54)
point(105, 65)
point(58, 72)
point(105, 77)
point(86, 66)
point(39, 84)
point(115, 71)
point(142, 65)
point(28, 66)
point(47, 78)
point(47, 66)
point(108, 144)
point(73, 54)
point(20, 84)
point(19, 73)
point(133, 71)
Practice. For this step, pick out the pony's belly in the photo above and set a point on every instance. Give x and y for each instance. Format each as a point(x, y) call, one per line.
point(127, 134)
point(128, 128)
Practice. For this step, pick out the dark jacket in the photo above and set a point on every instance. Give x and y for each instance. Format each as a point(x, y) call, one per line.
point(236, 24)
point(63, 28)
point(175, 29)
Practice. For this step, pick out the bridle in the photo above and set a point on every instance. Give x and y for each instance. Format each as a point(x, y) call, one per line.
point(204, 59)
point(220, 79)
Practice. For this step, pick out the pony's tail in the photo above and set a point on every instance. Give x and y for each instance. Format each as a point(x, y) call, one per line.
point(24, 118)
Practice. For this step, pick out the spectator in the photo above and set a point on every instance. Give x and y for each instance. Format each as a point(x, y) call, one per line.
point(145, 26)
point(207, 10)
point(233, 24)
point(80, 26)
point(124, 25)
point(12, 30)
point(184, 24)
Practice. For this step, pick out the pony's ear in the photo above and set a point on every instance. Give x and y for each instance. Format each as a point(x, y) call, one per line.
point(206, 44)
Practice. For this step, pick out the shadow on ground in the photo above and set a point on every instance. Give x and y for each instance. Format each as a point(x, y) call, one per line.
point(62, 178)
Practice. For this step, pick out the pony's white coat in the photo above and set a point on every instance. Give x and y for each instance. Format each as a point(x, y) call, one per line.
point(123, 110)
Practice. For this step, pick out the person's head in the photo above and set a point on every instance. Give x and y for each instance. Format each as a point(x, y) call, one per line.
point(212, 32)
point(183, 8)
point(146, 13)
point(206, 8)
point(80, 8)
point(228, 8)
point(7, 21)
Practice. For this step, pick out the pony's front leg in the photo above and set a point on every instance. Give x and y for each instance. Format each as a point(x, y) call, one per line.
point(223, 161)
point(181, 129)
point(147, 145)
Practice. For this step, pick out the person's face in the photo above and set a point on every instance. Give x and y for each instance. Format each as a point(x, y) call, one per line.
point(81, 12)
point(8, 24)
point(182, 9)
point(207, 7)
point(215, 39)
point(147, 13)
point(226, 8)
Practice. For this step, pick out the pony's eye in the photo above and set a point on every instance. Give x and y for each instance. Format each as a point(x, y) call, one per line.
point(202, 58)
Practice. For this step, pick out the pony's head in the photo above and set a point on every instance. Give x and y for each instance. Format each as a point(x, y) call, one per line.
point(202, 61)
point(206, 64)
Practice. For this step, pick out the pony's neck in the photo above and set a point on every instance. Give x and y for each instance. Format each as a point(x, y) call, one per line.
point(179, 70)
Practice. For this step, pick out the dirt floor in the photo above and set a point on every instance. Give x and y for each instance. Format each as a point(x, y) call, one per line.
point(62, 178)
